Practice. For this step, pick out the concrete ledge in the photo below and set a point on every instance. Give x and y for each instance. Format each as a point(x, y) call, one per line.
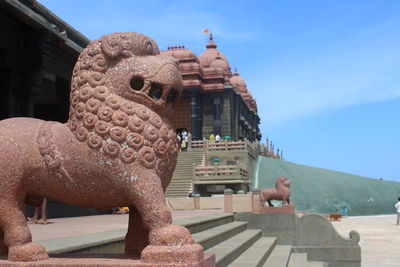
point(333, 256)
point(312, 234)
point(279, 225)
point(74, 243)
point(95, 260)
point(315, 230)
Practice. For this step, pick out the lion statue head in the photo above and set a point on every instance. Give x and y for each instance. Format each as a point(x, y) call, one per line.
point(282, 181)
point(122, 93)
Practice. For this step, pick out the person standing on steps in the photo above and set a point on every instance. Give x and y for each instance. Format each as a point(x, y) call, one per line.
point(217, 138)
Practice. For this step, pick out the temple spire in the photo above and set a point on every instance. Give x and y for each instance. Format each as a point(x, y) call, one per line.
point(211, 43)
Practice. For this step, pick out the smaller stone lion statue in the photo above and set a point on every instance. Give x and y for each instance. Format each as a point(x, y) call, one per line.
point(280, 192)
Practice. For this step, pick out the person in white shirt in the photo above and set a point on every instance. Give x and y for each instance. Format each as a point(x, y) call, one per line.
point(184, 134)
point(397, 206)
point(217, 138)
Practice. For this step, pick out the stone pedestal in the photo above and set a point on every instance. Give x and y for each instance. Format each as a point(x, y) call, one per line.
point(284, 209)
point(182, 256)
point(228, 201)
point(256, 201)
point(197, 201)
point(171, 259)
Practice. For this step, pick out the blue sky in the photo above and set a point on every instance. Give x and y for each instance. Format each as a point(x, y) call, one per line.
point(326, 74)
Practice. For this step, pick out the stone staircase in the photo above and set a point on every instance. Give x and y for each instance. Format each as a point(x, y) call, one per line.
point(238, 242)
point(236, 245)
point(182, 179)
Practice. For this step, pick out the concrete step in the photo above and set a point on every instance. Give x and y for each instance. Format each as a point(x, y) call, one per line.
point(179, 183)
point(218, 234)
point(279, 256)
point(298, 260)
point(256, 254)
point(183, 190)
point(315, 264)
point(198, 224)
point(179, 190)
point(227, 251)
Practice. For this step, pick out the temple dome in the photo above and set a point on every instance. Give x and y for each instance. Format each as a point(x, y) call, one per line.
point(220, 63)
point(238, 82)
point(210, 54)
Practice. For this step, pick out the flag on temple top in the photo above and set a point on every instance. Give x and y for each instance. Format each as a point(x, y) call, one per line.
point(205, 31)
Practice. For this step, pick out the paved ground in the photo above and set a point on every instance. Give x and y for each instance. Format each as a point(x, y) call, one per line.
point(380, 239)
point(380, 236)
point(64, 227)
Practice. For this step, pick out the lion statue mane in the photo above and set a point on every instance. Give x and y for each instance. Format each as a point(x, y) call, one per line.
point(118, 147)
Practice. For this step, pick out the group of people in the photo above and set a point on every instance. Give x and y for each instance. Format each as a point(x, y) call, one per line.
point(184, 138)
point(215, 138)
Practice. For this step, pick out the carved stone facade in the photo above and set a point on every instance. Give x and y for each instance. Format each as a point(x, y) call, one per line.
point(216, 101)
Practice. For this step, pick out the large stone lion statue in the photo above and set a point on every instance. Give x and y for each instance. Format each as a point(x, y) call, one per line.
point(118, 147)
point(280, 192)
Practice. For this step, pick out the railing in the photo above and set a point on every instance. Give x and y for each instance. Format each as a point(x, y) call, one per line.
point(197, 144)
point(224, 145)
point(217, 173)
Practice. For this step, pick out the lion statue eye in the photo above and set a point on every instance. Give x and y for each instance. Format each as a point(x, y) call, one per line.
point(137, 83)
point(149, 49)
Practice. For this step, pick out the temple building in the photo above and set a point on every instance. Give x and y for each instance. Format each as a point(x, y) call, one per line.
point(214, 101)
point(37, 53)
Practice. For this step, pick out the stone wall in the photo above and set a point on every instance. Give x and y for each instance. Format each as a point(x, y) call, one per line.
point(312, 234)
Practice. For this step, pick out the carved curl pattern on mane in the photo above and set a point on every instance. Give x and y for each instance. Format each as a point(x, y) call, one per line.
point(109, 123)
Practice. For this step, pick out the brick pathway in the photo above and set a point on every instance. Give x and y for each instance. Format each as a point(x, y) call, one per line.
point(380, 239)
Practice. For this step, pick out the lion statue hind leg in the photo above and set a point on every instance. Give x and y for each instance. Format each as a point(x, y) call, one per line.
point(137, 237)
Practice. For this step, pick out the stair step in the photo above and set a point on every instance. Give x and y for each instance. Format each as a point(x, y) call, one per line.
point(182, 179)
point(195, 225)
point(216, 235)
point(298, 260)
point(315, 264)
point(256, 254)
point(227, 251)
point(279, 256)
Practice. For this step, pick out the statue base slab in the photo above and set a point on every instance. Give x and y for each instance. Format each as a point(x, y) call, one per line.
point(284, 209)
point(106, 260)
point(186, 255)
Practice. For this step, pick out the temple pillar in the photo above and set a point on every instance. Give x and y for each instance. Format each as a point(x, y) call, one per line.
point(196, 118)
point(217, 114)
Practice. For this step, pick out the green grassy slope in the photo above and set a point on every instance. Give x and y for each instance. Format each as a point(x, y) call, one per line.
point(318, 190)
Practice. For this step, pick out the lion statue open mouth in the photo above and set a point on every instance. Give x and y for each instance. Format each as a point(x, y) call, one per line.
point(118, 147)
